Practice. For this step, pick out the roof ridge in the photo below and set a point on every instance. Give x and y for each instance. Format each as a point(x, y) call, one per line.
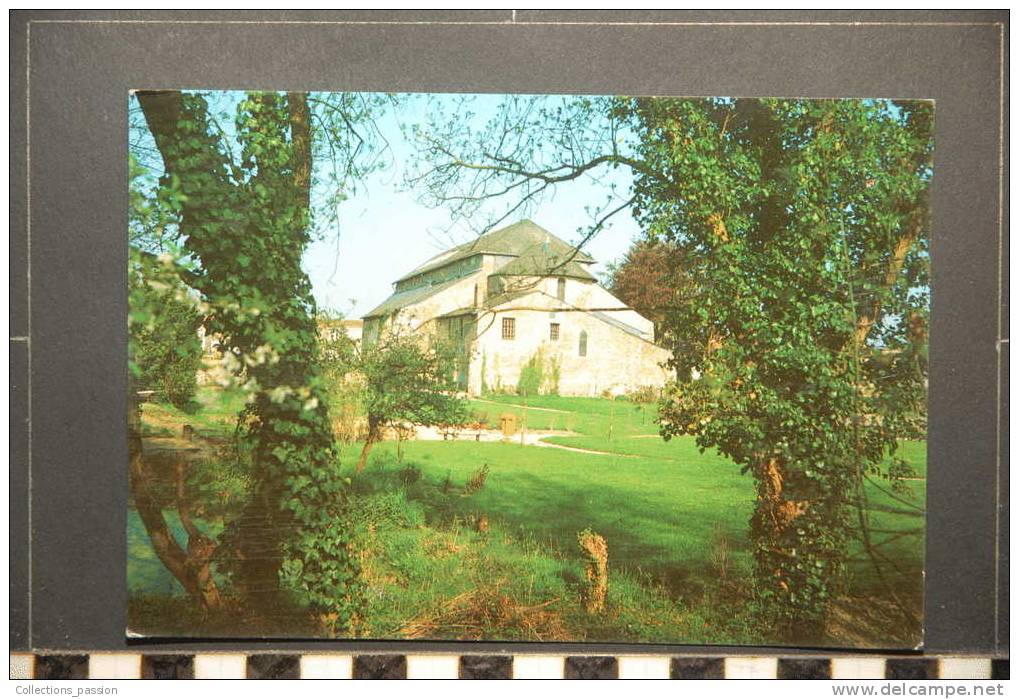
point(486, 244)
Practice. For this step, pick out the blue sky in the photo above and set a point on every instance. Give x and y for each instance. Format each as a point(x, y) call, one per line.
point(384, 231)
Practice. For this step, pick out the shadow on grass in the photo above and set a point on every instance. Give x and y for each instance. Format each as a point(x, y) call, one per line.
point(646, 538)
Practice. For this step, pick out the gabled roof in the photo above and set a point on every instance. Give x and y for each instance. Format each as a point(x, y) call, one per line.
point(405, 298)
point(616, 323)
point(542, 263)
point(522, 239)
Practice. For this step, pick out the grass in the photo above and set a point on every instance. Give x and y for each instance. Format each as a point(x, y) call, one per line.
point(656, 519)
point(675, 520)
point(146, 573)
point(434, 573)
point(213, 412)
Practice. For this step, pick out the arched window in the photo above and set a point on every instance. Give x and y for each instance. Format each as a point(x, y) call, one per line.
point(582, 348)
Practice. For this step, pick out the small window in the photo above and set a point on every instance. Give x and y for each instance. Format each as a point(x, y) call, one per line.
point(560, 290)
point(553, 331)
point(582, 348)
point(509, 328)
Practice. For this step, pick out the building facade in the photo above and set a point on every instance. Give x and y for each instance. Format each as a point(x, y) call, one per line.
point(521, 297)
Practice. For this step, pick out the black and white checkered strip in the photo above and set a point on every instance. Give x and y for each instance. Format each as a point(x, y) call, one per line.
point(526, 666)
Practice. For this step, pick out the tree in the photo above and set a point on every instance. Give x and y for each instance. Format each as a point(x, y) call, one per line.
point(804, 226)
point(406, 381)
point(244, 216)
point(165, 350)
point(649, 280)
point(189, 564)
point(164, 353)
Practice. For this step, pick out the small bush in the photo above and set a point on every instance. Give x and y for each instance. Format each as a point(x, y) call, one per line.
point(644, 394)
point(386, 509)
point(539, 376)
point(477, 480)
point(484, 373)
point(554, 374)
point(411, 474)
point(531, 376)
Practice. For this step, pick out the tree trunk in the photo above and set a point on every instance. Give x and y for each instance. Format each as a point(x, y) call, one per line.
point(258, 556)
point(787, 552)
point(191, 567)
point(596, 551)
point(270, 203)
point(200, 547)
point(893, 267)
point(374, 435)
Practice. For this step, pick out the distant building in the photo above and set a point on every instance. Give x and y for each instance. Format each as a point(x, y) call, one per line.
point(519, 295)
point(332, 329)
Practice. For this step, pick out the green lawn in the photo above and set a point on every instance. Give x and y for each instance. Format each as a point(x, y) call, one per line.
point(675, 520)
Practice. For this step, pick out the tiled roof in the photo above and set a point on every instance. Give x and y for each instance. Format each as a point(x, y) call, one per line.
point(522, 239)
point(406, 298)
point(539, 263)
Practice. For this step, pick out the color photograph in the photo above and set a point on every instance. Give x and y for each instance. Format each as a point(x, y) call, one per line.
point(574, 368)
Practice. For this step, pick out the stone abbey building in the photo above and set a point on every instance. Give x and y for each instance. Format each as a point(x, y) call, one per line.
point(517, 295)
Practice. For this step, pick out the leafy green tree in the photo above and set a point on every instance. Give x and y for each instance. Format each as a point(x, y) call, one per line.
point(166, 352)
point(406, 381)
point(803, 227)
point(806, 224)
point(242, 199)
point(337, 361)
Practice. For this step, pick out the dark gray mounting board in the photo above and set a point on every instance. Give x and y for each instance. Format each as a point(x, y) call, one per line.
point(70, 76)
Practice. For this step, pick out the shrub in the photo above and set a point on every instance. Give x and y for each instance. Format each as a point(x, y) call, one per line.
point(165, 350)
point(411, 474)
point(477, 480)
point(645, 394)
point(539, 376)
point(531, 376)
point(554, 374)
point(391, 508)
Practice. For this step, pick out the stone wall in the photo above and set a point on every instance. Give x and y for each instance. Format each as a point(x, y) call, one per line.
point(615, 362)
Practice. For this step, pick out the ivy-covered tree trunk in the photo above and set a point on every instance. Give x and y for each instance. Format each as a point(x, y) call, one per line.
point(247, 225)
point(799, 534)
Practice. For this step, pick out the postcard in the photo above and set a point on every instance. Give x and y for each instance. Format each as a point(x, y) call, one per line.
point(528, 367)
